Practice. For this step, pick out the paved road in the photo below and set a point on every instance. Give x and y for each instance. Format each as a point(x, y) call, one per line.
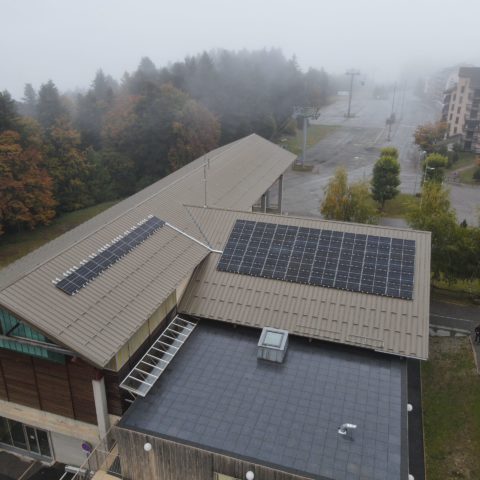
point(356, 145)
point(454, 315)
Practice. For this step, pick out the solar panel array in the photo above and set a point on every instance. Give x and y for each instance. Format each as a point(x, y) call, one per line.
point(78, 277)
point(327, 258)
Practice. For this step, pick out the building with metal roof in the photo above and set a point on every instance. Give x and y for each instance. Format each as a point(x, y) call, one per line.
point(171, 239)
point(62, 356)
point(386, 324)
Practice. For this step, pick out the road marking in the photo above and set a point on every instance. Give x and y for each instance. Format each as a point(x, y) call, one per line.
point(378, 136)
point(450, 318)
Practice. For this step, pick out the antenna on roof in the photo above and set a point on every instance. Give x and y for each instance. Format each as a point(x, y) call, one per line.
point(207, 162)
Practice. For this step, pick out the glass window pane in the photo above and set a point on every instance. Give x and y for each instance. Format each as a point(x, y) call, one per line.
point(4, 432)
point(18, 436)
point(32, 439)
point(43, 443)
point(273, 339)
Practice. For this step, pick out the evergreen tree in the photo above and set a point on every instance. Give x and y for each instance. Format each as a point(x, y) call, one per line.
point(30, 101)
point(49, 106)
point(386, 179)
point(8, 113)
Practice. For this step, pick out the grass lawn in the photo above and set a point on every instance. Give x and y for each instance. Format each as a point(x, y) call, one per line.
point(466, 176)
point(399, 206)
point(471, 287)
point(451, 408)
point(465, 159)
point(16, 245)
point(315, 133)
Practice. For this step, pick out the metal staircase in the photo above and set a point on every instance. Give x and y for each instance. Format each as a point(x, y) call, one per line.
point(151, 366)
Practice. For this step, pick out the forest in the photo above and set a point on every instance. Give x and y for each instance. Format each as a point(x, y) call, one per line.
point(61, 152)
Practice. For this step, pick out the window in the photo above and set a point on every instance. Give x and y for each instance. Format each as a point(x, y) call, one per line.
point(24, 437)
point(455, 130)
point(457, 119)
point(458, 109)
point(451, 116)
point(454, 96)
point(9, 325)
point(463, 89)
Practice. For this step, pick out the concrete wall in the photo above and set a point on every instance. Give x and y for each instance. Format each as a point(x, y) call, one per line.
point(68, 449)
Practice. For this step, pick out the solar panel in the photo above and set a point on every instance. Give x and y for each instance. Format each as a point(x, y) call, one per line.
point(78, 277)
point(328, 258)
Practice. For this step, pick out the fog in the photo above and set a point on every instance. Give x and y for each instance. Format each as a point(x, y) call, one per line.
point(68, 41)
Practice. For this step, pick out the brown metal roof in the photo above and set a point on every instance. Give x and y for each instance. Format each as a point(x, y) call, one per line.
point(103, 316)
point(385, 324)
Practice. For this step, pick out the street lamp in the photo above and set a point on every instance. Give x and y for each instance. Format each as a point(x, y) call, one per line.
point(249, 475)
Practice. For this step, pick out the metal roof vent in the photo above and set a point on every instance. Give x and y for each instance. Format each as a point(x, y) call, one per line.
point(273, 344)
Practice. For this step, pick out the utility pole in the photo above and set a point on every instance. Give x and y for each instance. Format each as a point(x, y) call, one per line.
point(306, 113)
point(403, 99)
point(352, 74)
point(207, 162)
point(392, 115)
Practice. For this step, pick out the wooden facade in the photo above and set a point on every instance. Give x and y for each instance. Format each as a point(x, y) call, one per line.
point(65, 389)
point(170, 460)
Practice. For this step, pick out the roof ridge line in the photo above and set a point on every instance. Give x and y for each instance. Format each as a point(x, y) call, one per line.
point(299, 217)
point(28, 272)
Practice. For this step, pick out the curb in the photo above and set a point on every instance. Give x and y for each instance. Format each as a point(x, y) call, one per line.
point(475, 357)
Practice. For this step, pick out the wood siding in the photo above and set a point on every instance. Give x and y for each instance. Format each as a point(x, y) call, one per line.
point(169, 460)
point(61, 389)
point(66, 389)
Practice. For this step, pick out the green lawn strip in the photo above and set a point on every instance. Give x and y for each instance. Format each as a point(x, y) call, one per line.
point(399, 206)
point(465, 159)
point(466, 176)
point(16, 245)
point(469, 287)
point(451, 399)
point(294, 143)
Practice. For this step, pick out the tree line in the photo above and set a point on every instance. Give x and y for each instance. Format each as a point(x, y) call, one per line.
point(61, 152)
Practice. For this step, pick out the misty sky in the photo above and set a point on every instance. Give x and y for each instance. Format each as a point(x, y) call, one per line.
point(68, 40)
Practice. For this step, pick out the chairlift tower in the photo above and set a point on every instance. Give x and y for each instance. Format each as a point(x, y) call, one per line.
point(306, 113)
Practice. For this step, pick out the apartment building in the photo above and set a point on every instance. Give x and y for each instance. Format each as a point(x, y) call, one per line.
point(461, 109)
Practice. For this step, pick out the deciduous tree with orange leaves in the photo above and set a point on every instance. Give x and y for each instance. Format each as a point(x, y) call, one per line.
point(26, 197)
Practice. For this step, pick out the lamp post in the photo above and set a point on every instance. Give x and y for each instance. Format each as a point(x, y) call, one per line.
point(249, 475)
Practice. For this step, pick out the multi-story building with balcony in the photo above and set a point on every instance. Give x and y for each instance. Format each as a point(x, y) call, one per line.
point(461, 108)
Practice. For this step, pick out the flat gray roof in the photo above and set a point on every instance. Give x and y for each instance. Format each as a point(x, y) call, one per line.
point(217, 396)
